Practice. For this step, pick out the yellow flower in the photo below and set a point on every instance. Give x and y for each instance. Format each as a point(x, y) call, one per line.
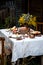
point(34, 21)
point(21, 20)
point(34, 18)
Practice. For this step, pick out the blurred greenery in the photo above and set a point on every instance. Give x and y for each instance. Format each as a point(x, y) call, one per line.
point(6, 23)
point(33, 61)
point(9, 22)
point(1, 24)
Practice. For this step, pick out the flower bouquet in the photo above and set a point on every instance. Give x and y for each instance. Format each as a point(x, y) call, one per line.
point(27, 19)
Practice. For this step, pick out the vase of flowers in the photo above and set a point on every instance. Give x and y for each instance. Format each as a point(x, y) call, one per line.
point(27, 19)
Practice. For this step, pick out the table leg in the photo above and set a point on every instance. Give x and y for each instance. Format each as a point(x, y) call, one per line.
point(13, 63)
point(18, 62)
point(41, 60)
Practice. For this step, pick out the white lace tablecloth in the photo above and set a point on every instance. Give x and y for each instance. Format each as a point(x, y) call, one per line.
point(24, 48)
